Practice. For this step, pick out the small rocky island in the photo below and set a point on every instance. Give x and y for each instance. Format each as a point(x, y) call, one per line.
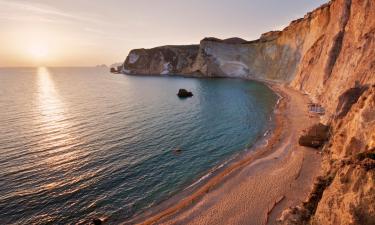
point(183, 93)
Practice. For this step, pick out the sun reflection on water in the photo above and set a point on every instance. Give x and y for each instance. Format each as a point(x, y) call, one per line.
point(49, 102)
point(52, 119)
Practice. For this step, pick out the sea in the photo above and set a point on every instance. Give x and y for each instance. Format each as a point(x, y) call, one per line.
point(81, 143)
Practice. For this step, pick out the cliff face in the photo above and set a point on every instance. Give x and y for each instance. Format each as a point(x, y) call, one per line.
point(350, 161)
point(276, 55)
point(330, 55)
point(161, 60)
point(342, 55)
point(322, 54)
point(345, 193)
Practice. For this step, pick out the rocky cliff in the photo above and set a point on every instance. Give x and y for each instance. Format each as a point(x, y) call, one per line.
point(329, 55)
point(345, 193)
point(350, 163)
point(322, 54)
point(338, 71)
point(161, 60)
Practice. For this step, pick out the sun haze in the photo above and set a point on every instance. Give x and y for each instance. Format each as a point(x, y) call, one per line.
point(82, 33)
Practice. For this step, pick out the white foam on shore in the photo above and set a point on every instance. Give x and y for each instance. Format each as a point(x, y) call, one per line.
point(200, 179)
point(210, 173)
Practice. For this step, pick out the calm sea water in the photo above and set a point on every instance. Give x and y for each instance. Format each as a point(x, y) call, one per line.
point(77, 143)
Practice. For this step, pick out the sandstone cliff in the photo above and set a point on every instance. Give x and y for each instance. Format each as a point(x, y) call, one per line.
point(345, 193)
point(349, 199)
point(329, 55)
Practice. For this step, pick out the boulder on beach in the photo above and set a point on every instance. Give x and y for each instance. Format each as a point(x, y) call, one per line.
point(315, 137)
point(183, 93)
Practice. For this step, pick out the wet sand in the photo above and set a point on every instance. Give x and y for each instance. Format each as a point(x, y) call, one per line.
point(255, 189)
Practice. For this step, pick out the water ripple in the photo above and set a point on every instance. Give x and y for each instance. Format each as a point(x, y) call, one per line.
point(80, 142)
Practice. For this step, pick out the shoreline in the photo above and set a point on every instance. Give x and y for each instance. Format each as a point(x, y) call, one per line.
point(250, 153)
point(175, 206)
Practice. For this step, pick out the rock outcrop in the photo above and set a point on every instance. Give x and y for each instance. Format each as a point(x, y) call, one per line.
point(349, 157)
point(315, 137)
point(163, 60)
point(329, 55)
point(183, 93)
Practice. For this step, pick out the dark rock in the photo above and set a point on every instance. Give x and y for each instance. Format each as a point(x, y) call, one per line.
point(97, 221)
point(183, 93)
point(233, 40)
point(316, 136)
point(113, 70)
point(366, 159)
point(368, 164)
point(369, 154)
point(177, 151)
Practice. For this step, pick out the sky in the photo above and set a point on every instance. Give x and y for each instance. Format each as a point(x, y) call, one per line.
point(92, 32)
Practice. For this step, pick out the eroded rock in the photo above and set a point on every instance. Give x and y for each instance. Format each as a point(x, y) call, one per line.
point(183, 93)
point(316, 136)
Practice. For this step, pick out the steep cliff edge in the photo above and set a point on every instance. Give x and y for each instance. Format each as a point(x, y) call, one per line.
point(329, 55)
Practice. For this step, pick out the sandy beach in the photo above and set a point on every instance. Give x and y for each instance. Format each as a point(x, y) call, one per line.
point(255, 189)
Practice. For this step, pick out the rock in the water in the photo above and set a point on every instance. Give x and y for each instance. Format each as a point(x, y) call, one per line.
point(183, 93)
point(177, 151)
point(315, 137)
point(97, 221)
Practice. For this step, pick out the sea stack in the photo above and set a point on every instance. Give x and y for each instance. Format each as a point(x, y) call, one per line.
point(183, 93)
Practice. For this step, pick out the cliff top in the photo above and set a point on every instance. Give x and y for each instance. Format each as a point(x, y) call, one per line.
point(233, 40)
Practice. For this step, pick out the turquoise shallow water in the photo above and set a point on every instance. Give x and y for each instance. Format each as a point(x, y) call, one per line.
point(77, 143)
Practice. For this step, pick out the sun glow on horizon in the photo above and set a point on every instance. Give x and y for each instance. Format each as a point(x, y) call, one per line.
point(68, 33)
point(38, 51)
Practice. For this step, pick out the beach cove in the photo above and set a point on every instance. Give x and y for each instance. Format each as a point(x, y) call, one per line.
point(259, 185)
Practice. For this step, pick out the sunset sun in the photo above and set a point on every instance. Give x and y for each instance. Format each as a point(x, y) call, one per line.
point(38, 51)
